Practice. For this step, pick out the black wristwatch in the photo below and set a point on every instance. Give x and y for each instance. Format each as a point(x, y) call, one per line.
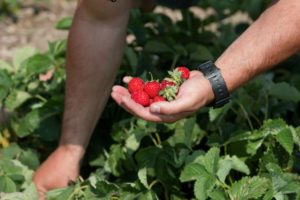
point(213, 74)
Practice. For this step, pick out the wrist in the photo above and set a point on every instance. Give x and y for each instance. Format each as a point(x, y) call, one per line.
point(218, 85)
point(209, 91)
point(75, 151)
point(205, 88)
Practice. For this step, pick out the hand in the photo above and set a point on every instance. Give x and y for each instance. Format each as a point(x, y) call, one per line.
point(61, 167)
point(194, 93)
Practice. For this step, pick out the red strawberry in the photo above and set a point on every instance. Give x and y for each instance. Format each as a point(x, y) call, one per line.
point(141, 97)
point(135, 84)
point(152, 88)
point(151, 101)
point(185, 72)
point(165, 83)
point(158, 98)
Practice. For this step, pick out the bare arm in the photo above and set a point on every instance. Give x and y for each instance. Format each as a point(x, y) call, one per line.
point(95, 48)
point(94, 54)
point(271, 39)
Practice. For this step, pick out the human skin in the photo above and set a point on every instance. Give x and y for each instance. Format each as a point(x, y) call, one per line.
point(95, 48)
point(272, 38)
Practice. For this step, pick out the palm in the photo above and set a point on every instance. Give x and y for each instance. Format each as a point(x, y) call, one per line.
point(192, 95)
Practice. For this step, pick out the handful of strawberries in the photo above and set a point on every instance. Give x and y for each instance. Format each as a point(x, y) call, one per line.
point(146, 93)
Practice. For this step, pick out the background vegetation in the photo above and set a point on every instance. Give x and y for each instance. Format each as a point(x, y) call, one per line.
point(248, 149)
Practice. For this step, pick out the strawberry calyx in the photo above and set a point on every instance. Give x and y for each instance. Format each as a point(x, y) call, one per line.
point(169, 93)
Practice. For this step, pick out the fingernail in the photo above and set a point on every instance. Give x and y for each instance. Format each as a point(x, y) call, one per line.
point(155, 109)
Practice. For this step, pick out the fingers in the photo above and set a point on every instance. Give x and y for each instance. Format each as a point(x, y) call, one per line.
point(42, 195)
point(146, 114)
point(195, 73)
point(181, 105)
point(141, 112)
point(40, 189)
point(126, 79)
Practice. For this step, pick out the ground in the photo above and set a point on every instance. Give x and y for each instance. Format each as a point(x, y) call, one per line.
point(33, 30)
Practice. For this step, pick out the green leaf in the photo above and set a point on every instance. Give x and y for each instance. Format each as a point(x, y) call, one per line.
point(211, 160)
point(49, 129)
point(131, 57)
point(38, 64)
point(142, 174)
point(30, 159)
point(5, 84)
point(217, 194)
point(228, 163)
point(64, 24)
point(60, 194)
point(58, 48)
point(285, 92)
point(30, 193)
point(116, 157)
point(285, 139)
point(134, 140)
point(296, 135)
point(240, 136)
point(7, 185)
point(187, 132)
point(148, 195)
point(15, 99)
point(270, 127)
point(193, 171)
point(28, 124)
point(157, 47)
point(253, 146)
point(203, 186)
point(249, 188)
point(21, 55)
point(199, 52)
point(5, 66)
point(215, 113)
point(148, 156)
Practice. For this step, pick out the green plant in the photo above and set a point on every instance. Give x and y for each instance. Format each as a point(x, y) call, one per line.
point(248, 149)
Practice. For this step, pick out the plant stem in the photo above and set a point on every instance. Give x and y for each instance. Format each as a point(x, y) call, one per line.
point(246, 116)
point(175, 59)
point(153, 140)
point(158, 139)
point(153, 183)
point(40, 98)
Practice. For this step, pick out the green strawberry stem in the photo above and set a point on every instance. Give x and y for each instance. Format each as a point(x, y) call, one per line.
point(175, 59)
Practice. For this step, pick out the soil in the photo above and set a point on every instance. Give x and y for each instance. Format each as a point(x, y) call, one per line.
point(32, 29)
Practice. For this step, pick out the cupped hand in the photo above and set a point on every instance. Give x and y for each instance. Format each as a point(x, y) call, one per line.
point(61, 167)
point(193, 94)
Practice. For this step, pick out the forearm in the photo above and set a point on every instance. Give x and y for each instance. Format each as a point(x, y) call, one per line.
point(272, 38)
point(94, 54)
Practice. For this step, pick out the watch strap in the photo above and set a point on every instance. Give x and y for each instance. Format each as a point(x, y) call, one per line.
point(213, 74)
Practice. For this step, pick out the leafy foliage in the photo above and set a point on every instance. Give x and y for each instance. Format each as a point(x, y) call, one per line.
point(248, 149)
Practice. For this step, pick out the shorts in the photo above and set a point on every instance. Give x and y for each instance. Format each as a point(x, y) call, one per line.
point(177, 3)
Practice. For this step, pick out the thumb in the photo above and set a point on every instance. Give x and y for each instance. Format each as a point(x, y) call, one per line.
point(169, 108)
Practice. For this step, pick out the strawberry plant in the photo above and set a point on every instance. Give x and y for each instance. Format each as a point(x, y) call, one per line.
point(248, 149)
